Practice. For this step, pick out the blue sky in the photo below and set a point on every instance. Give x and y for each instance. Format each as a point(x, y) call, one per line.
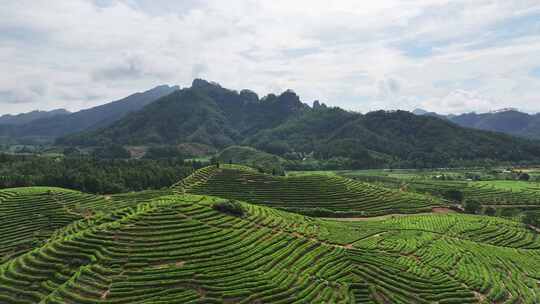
point(535, 72)
point(445, 56)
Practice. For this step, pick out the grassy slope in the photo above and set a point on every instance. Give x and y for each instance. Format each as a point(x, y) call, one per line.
point(252, 157)
point(177, 248)
point(321, 195)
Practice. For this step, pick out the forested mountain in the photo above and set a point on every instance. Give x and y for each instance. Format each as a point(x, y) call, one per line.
point(208, 114)
point(24, 118)
point(508, 121)
point(89, 119)
point(204, 113)
point(422, 141)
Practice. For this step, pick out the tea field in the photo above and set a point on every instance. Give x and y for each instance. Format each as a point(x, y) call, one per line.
point(313, 194)
point(217, 237)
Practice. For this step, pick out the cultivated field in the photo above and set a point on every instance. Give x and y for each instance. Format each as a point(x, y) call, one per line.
point(488, 190)
point(63, 246)
point(314, 194)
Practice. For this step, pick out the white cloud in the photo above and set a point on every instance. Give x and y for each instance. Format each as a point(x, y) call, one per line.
point(361, 55)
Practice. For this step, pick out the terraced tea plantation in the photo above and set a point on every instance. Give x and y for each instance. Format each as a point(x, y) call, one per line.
point(314, 194)
point(491, 193)
point(28, 216)
point(166, 246)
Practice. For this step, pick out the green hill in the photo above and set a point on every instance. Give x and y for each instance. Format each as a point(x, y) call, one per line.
point(29, 216)
point(254, 158)
point(410, 140)
point(319, 195)
point(180, 249)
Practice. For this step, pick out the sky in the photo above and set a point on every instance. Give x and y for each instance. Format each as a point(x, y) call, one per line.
point(444, 56)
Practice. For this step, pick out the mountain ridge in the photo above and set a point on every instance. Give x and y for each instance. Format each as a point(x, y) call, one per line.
point(23, 118)
point(49, 128)
point(209, 114)
point(508, 120)
point(205, 113)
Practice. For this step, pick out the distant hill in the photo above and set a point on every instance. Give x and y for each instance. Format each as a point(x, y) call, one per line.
point(419, 112)
point(420, 140)
point(252, 157)
point(209, 114)
point(89, 119)
point(509, 121)
point(24, 118)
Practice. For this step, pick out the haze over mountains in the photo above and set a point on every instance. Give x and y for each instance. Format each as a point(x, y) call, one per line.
point(47, 125)
point(510, 121)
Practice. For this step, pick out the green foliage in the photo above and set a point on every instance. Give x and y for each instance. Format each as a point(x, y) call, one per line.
point(400, 139)
point(231, 207)
point(204, 114)
point(216, 117)
point(509, 212)
point(490, 211)
point(312, 194)
point(92, 175)
point(71, 152)
point(254, 158)
point(472, 206)
point(111, 152)
point(453, 195)
point(161, 152)
point(179, 249)
point(498, 194)
point(532, 218)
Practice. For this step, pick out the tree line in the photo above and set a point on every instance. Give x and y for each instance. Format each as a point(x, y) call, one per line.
point(92, 175)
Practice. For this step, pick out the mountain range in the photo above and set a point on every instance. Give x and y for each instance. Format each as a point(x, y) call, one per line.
point(47, 126)
point(24, 118)
point(209, 114)
point(510, 121)
point(204, 113)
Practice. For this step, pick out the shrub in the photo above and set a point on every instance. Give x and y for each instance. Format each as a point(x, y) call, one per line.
point(472, 206)
point(111, 152)
point(490, 211)
point(531, 218)
point(163, 152)
point(230, 207)
point(524, 177)
point(453, 195)
point(509, 211)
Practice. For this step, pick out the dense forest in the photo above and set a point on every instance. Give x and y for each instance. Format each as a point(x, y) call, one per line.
point(90, 174)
